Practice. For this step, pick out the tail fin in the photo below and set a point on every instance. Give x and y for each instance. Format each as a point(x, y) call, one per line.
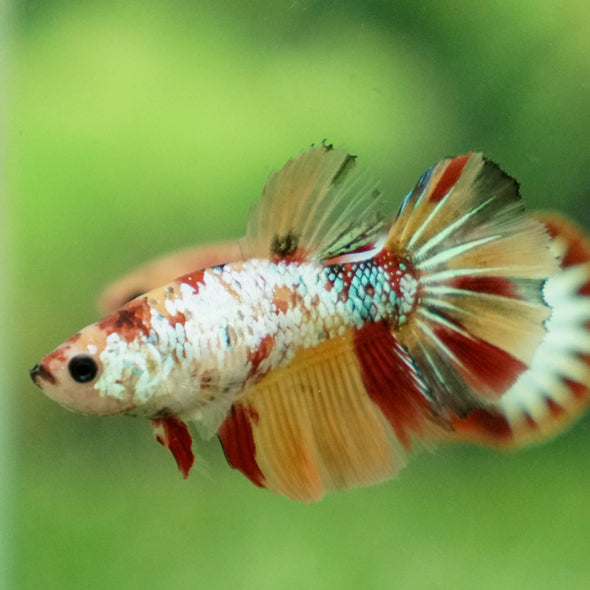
point(555, 390)
point(482, 263)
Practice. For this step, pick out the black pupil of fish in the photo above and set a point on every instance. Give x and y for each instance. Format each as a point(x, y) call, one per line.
point(83, 368)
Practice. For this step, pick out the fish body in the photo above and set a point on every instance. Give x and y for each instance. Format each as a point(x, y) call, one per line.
point(344, 337)
point(224, 328)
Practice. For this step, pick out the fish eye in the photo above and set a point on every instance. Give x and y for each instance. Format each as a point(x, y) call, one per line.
point(82, 368)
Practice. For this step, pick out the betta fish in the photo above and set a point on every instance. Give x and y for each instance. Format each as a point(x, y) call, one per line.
point(340, 336)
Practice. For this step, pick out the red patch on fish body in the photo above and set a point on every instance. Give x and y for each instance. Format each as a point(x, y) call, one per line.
point(372, 280)
point(194, 279)
point(177, 318)
point(263, 351)
point(286, 298)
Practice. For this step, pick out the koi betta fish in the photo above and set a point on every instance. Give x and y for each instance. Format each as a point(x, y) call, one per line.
point(343, 336)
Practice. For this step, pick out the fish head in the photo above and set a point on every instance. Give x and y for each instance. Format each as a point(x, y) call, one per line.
point(69, 374)
point(104, 369)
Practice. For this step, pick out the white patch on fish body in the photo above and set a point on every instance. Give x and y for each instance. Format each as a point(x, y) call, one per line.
point(207, 343)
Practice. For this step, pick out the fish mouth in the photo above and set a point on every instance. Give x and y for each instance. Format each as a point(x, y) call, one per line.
point(40, 372)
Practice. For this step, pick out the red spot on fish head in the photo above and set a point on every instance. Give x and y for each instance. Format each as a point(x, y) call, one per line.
point(133, 320)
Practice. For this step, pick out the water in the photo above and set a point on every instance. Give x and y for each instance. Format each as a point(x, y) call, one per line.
point(138, 127)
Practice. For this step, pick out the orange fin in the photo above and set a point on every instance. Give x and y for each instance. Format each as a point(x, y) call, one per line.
point(312, 427)
point(482, 263)
point(318, 206)
point(554, 392)
point(173, 434)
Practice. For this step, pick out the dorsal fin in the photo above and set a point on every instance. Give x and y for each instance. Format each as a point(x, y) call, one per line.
point(318, 206)
point(482, 262)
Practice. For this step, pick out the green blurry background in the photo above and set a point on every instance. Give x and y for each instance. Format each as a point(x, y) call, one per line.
point(138, 127)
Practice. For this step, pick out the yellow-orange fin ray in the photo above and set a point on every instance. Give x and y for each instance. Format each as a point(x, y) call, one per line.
point(482, 262)
point(554, 391)
point(311, 427)
point(318, 206)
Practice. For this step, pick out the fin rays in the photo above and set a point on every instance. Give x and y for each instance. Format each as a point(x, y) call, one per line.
point(482, 262)
point(316, 428)
point(322, 203)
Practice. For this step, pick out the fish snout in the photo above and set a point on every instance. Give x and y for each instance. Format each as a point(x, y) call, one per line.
point(40, 372)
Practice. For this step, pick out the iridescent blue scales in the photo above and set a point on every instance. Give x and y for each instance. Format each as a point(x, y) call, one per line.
point(340, 336)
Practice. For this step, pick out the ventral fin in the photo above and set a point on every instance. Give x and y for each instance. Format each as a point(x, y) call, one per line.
point(554, 391)
point(326, 422)
point(482, 263)
point(173, 434)
point(318, 206)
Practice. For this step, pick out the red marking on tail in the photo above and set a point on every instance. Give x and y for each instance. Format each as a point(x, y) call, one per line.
point(449, 178)
point(484, 422)
point(578, 245)
point(555, 409)
point(579, 390)
point(489, 370)
point(237, 441)
point(173, 434)
point(390, 381)
point(490, 285)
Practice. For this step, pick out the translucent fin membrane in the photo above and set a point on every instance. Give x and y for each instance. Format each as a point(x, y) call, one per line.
point(312, 427)
point(318, 206)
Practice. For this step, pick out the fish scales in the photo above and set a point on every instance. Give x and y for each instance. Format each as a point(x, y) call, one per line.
point(290, 305)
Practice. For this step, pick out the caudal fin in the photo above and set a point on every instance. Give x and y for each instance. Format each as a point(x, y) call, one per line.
point(482, 262)
point(554, 391)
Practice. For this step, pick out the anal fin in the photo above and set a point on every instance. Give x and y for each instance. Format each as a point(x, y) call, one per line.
point(325, 422)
